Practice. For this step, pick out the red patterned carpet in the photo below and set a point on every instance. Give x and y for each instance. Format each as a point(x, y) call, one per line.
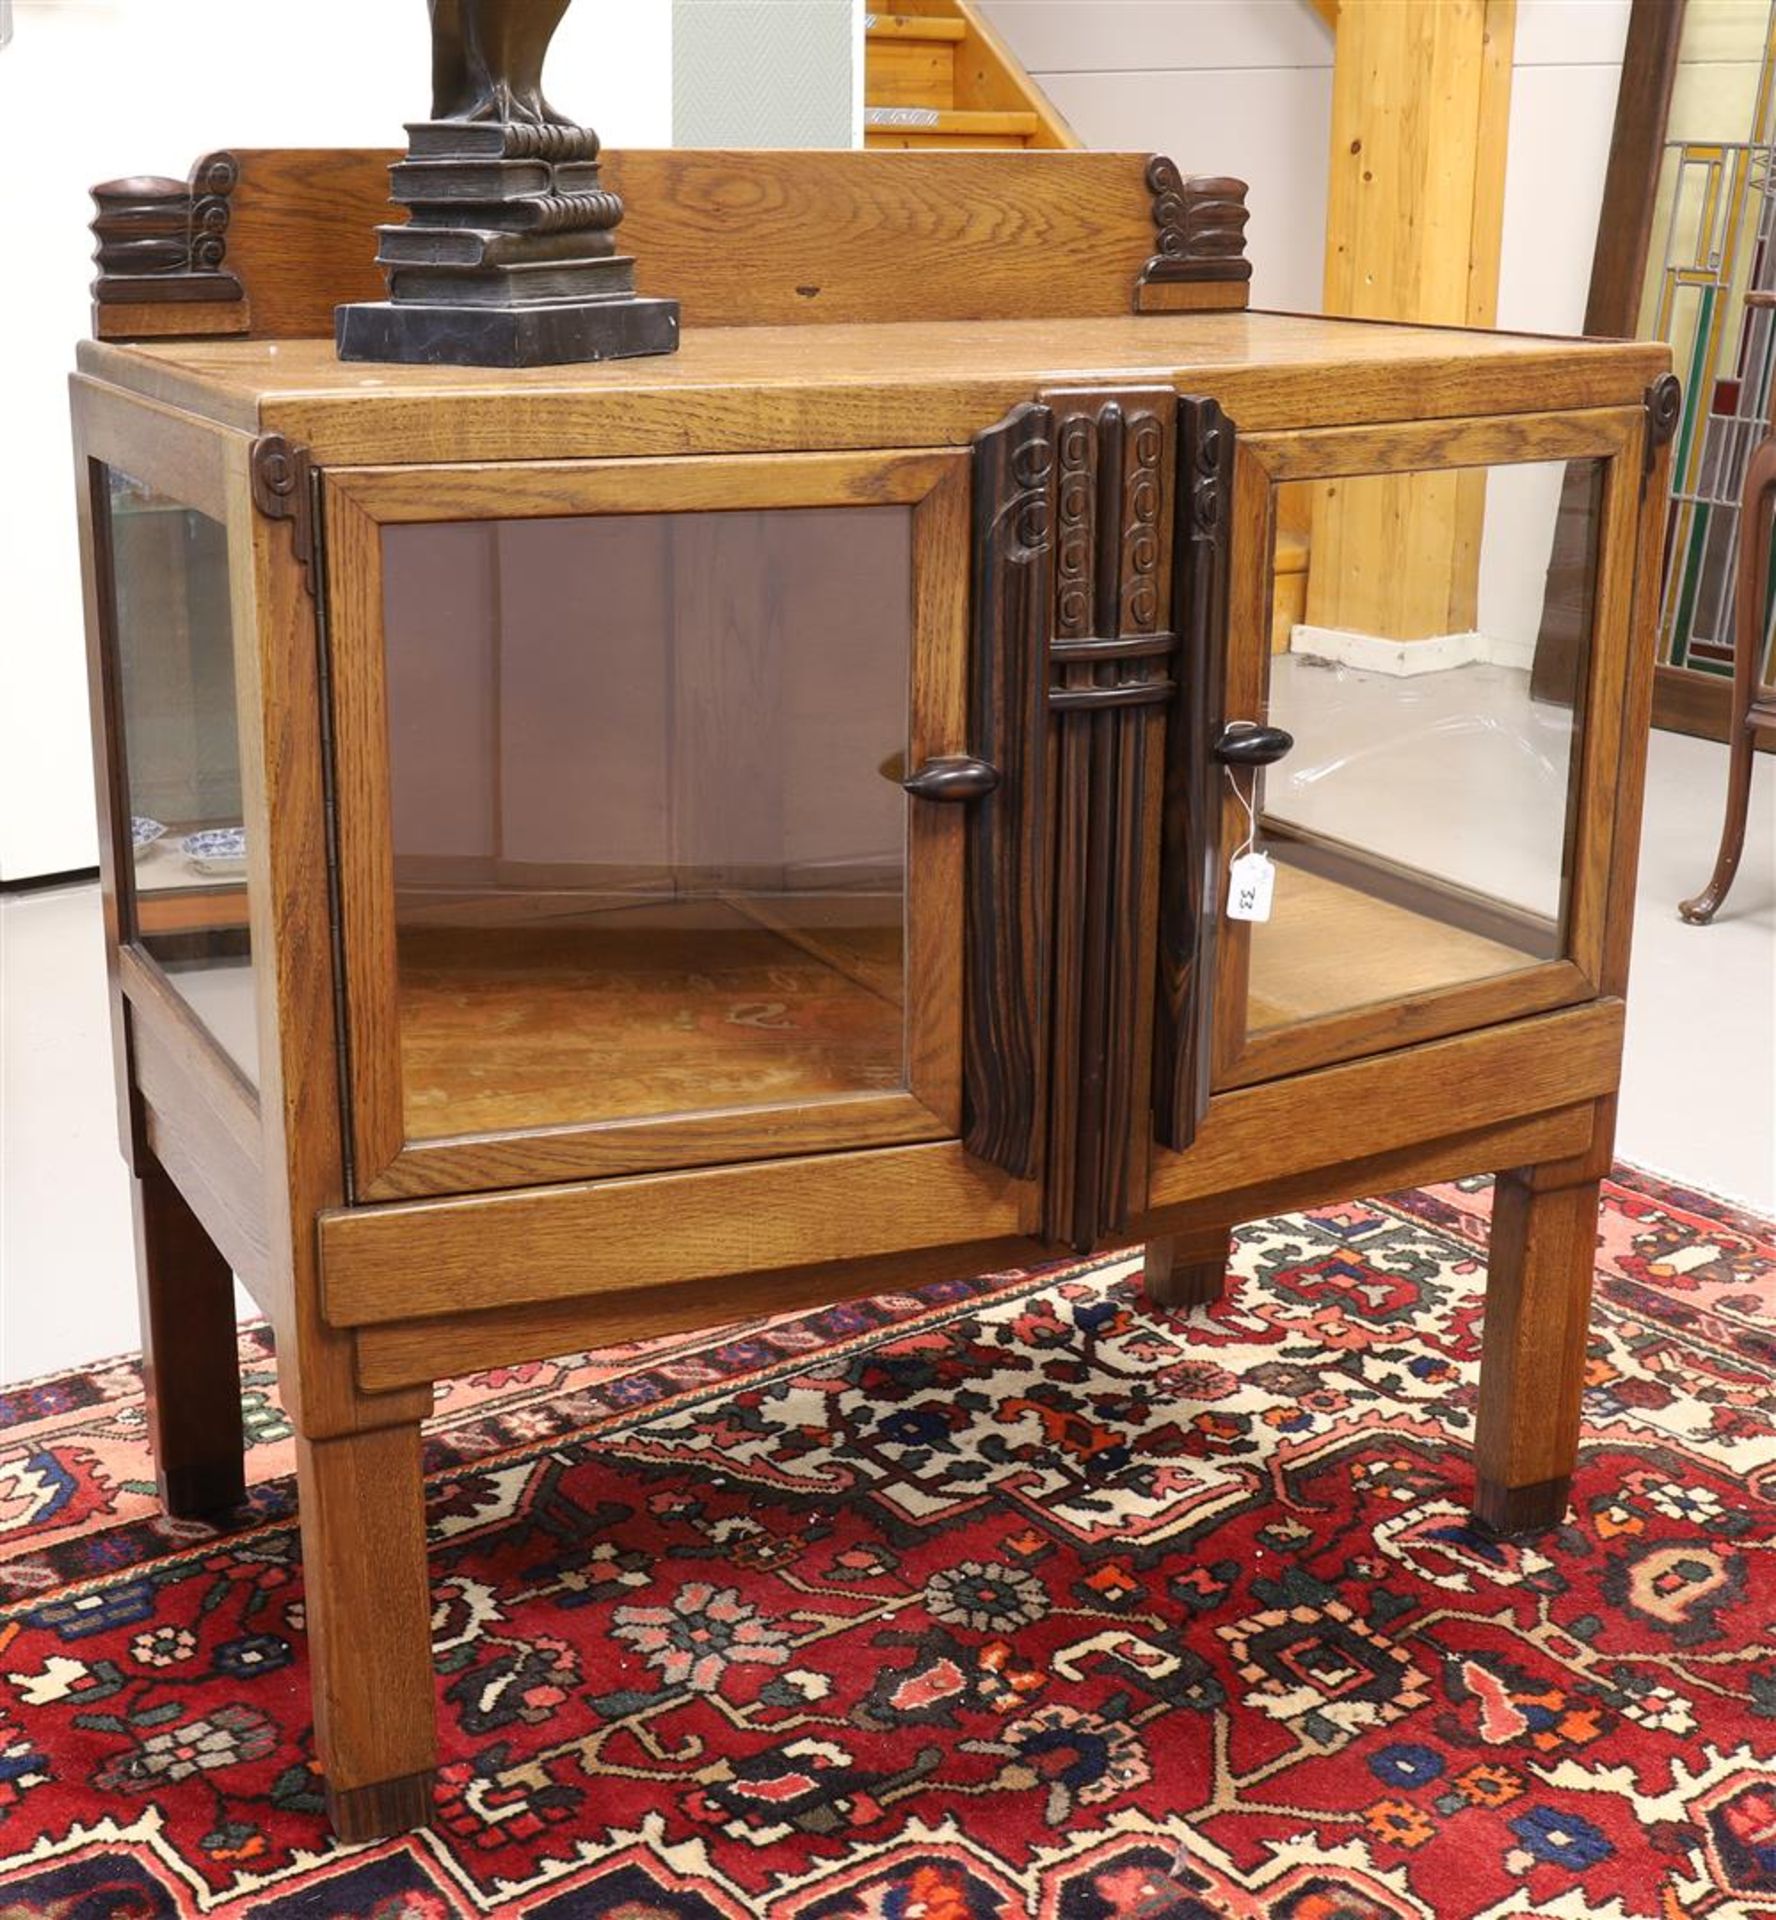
point(1006, 1598)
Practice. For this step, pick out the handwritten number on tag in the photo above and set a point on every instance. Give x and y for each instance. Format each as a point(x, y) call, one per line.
point(1251, 885)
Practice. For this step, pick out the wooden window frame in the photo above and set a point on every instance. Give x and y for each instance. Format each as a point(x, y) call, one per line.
point(1614, 436)
point(187, 464)
point(358, 503)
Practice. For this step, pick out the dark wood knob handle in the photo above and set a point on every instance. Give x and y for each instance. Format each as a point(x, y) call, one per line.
point(1248, 746)
point(952, 779)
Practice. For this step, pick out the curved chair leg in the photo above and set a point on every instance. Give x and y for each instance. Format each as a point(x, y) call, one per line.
point(1705, 905)
point(1750, 593)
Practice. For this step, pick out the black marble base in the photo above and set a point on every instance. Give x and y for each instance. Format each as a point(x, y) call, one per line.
point(544, 334)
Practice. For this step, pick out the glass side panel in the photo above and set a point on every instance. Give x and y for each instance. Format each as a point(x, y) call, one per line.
point(1429, 644)
point(174, 637)
point(649, 841)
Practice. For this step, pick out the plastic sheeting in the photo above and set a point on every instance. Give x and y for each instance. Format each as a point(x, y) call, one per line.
point(1459, 773)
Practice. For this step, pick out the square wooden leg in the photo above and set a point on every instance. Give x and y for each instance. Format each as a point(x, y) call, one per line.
point(1532, 1367)
point(1187, 1270)
point(190, 1355)
point(369, 1614)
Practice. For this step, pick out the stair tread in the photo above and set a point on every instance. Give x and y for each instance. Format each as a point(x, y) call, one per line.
point(948, 120)
point(912, 26)
point(893, 140)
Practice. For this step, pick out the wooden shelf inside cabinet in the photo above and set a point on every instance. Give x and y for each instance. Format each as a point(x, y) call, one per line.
point(641, 1008)
point(750, 828)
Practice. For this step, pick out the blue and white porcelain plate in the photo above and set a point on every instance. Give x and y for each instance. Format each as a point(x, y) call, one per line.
point(144, 832)
point(217, 850)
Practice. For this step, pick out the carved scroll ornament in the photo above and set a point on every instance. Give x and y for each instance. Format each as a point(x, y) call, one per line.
point(161, 239)
point(1200, 225)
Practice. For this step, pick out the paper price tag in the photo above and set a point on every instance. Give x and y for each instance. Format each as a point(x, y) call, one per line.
point(1251, 884)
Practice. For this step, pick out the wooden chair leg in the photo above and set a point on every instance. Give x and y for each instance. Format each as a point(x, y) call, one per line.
point(190, 1355)
point(1532, 1366)
point(369, 1613)
point(1750, 597)
point(1187, 1270)
point(1742, 756)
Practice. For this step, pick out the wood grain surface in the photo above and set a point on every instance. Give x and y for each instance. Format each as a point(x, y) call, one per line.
point(1368, 1107)
point(1190, 890)
point(399, 1353)
point(428, 1256)
point(923, 383)
point(416, 1128)
point(369, 1606)
point(1186, 1269)
point(202, 1117)
point(1109, 685)
point(1532, 1368)
point(1268, 1021)
point(1561, 1131)
point(746, 238)
point(1010, 856)
point(1637, 153)
point(190, 1361)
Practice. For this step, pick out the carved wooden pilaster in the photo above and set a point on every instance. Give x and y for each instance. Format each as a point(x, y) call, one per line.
point(160, 240)
point(1005, 1043)
point(1072, 667)
point(1199, 225)
point(1109, 685)
point(1190, 893)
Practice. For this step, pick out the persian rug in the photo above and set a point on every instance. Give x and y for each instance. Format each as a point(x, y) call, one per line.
point(1013, 1597)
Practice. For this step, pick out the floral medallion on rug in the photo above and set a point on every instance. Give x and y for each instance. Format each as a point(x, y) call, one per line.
point(1014, 1597)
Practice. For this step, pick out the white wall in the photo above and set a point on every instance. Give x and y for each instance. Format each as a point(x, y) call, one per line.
point(1245, 87)
point(94, 89)
point(1223, 86)
point(90, 89)
point(767, 73)
point(1563, 105)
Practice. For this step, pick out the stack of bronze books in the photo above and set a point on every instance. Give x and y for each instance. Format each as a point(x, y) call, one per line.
point(508, 257)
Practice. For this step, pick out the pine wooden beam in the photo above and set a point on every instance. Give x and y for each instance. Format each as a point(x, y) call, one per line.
point(1421, 99)
point(1420, 103)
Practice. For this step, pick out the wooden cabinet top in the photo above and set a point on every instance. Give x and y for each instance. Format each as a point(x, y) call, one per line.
point(898, 384)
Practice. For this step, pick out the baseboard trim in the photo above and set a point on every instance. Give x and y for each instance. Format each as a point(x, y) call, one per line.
point(1405, 658)
point(42, 882)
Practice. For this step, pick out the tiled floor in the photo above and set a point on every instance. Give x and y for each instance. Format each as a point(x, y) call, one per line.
point(1699, 1098)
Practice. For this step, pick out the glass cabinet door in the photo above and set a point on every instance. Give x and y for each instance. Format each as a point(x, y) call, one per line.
point(170, 636)
point(1419, 610)
point(643, 886)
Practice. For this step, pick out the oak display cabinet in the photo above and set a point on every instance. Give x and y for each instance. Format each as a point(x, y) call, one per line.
point(608, 850)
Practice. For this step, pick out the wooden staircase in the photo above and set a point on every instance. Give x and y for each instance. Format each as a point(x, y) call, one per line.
point(936, 75)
